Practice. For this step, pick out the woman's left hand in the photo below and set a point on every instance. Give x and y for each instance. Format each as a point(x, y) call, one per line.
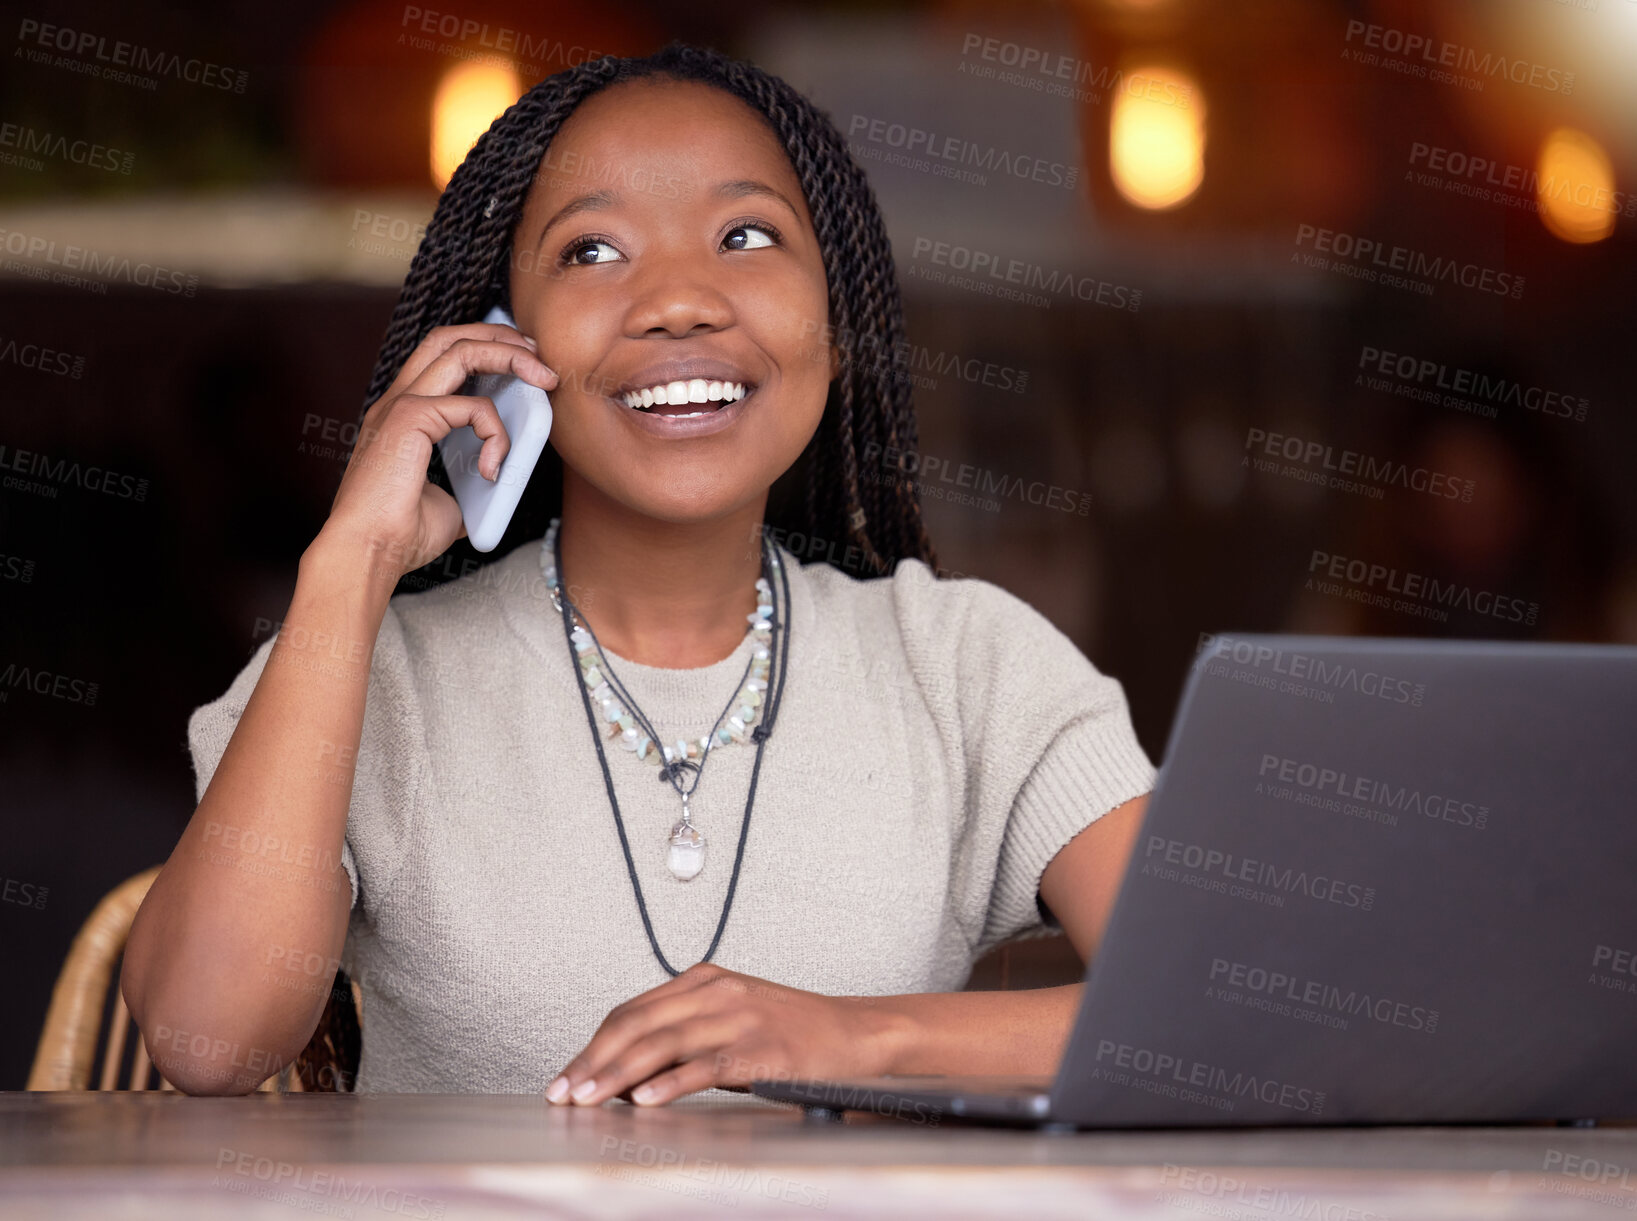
point(713, 1027)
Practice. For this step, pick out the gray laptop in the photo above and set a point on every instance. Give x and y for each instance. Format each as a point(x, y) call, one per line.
point(1379, 881)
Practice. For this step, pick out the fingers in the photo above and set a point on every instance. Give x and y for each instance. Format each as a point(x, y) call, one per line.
point(623, 1027)
point(440, 339)
point(693, 1041)
point(642, 1059)
point(672, 1004)
point(435, 417)
point(448, 369)
point(384, 496)
point(696, 1074)
point(441, 512)
point(398, 440)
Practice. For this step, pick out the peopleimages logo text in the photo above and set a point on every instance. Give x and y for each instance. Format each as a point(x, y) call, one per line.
point(1182, 1071)
point(1052, 66)
point(1430, 590)
point(1380, 793)
point(1012, 271)
point(130, 55)
point(1348, 1001)
point(75, 474)
point(31, 141)
point(47, 682)
point(958, 151)
point(1454, 56)
point(110, 266)
point(1490, 389)
point(921, 467)
point(1304, 666)
point(1236, 868)
point(1410, 262)
point(535, 52)
point(1621, 962)
point(1484, 178)
point(1384, 472)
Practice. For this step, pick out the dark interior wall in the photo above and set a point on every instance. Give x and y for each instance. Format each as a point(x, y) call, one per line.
point(153, 581)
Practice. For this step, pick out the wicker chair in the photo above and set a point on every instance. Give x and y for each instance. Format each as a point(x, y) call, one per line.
point(73, 1022)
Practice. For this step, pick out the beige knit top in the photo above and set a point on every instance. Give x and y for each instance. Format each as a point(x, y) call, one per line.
point(938, 742)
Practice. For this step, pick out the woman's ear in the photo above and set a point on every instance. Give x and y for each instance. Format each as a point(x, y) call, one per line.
point(835, 361)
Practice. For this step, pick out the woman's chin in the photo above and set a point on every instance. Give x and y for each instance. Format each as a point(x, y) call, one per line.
point(710, 505)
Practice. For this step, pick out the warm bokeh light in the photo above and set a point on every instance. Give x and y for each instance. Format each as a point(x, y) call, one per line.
point(469, 98)
point(1575, 187)
point(1156, 146)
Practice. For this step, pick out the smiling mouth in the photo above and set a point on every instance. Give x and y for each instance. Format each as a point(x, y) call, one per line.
point(686, 399)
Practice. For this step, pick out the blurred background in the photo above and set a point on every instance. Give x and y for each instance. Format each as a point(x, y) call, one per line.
point(1239, 316)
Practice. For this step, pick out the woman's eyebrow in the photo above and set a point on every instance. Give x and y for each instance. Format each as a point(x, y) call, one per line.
point(592, 201)
point(740, 187)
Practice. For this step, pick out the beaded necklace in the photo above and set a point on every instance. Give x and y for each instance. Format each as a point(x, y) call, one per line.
point(685, 847)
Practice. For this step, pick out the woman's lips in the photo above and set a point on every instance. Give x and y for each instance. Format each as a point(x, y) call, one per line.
point(693, 421)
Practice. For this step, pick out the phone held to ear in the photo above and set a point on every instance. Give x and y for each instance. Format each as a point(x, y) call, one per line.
point(487, 506)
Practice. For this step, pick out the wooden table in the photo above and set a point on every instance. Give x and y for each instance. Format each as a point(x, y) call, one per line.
point(117, 1155)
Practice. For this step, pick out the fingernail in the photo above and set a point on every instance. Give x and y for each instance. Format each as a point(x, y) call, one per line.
point(584, 1090)
point(644, 1093)
point(557, 1089)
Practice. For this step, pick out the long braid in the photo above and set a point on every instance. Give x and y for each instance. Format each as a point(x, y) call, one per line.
point(463, 267)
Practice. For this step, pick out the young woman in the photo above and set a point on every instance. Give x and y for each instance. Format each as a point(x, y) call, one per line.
point(647, 806)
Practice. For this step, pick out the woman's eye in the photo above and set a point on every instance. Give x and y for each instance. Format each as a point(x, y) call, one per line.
point(577, 253)
point(749, 237)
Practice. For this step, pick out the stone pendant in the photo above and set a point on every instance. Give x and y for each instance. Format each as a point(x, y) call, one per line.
point(686, 855)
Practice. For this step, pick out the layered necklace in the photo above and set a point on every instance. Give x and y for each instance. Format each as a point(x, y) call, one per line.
point(623, 721)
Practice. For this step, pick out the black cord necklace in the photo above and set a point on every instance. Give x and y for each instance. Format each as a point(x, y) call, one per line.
point(771, 564)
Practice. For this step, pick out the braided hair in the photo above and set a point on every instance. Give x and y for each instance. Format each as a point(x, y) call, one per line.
point(463, 268)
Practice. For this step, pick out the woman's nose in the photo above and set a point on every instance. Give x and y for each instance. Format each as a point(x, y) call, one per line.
point(676, 297)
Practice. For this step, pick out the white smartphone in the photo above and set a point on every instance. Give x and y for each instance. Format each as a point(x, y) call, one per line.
point(487, 506)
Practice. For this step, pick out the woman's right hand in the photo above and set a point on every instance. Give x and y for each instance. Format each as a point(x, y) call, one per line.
point(386, 505)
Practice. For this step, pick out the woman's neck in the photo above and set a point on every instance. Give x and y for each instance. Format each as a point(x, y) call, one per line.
point(659, 593)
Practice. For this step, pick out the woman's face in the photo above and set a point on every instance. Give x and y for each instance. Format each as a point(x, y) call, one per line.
point(664, 246)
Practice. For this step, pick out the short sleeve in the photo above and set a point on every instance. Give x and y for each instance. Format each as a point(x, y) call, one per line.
point(1040, 741)
point(388, 768)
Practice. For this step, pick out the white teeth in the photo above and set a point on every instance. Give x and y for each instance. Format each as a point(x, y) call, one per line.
point(696, 390)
